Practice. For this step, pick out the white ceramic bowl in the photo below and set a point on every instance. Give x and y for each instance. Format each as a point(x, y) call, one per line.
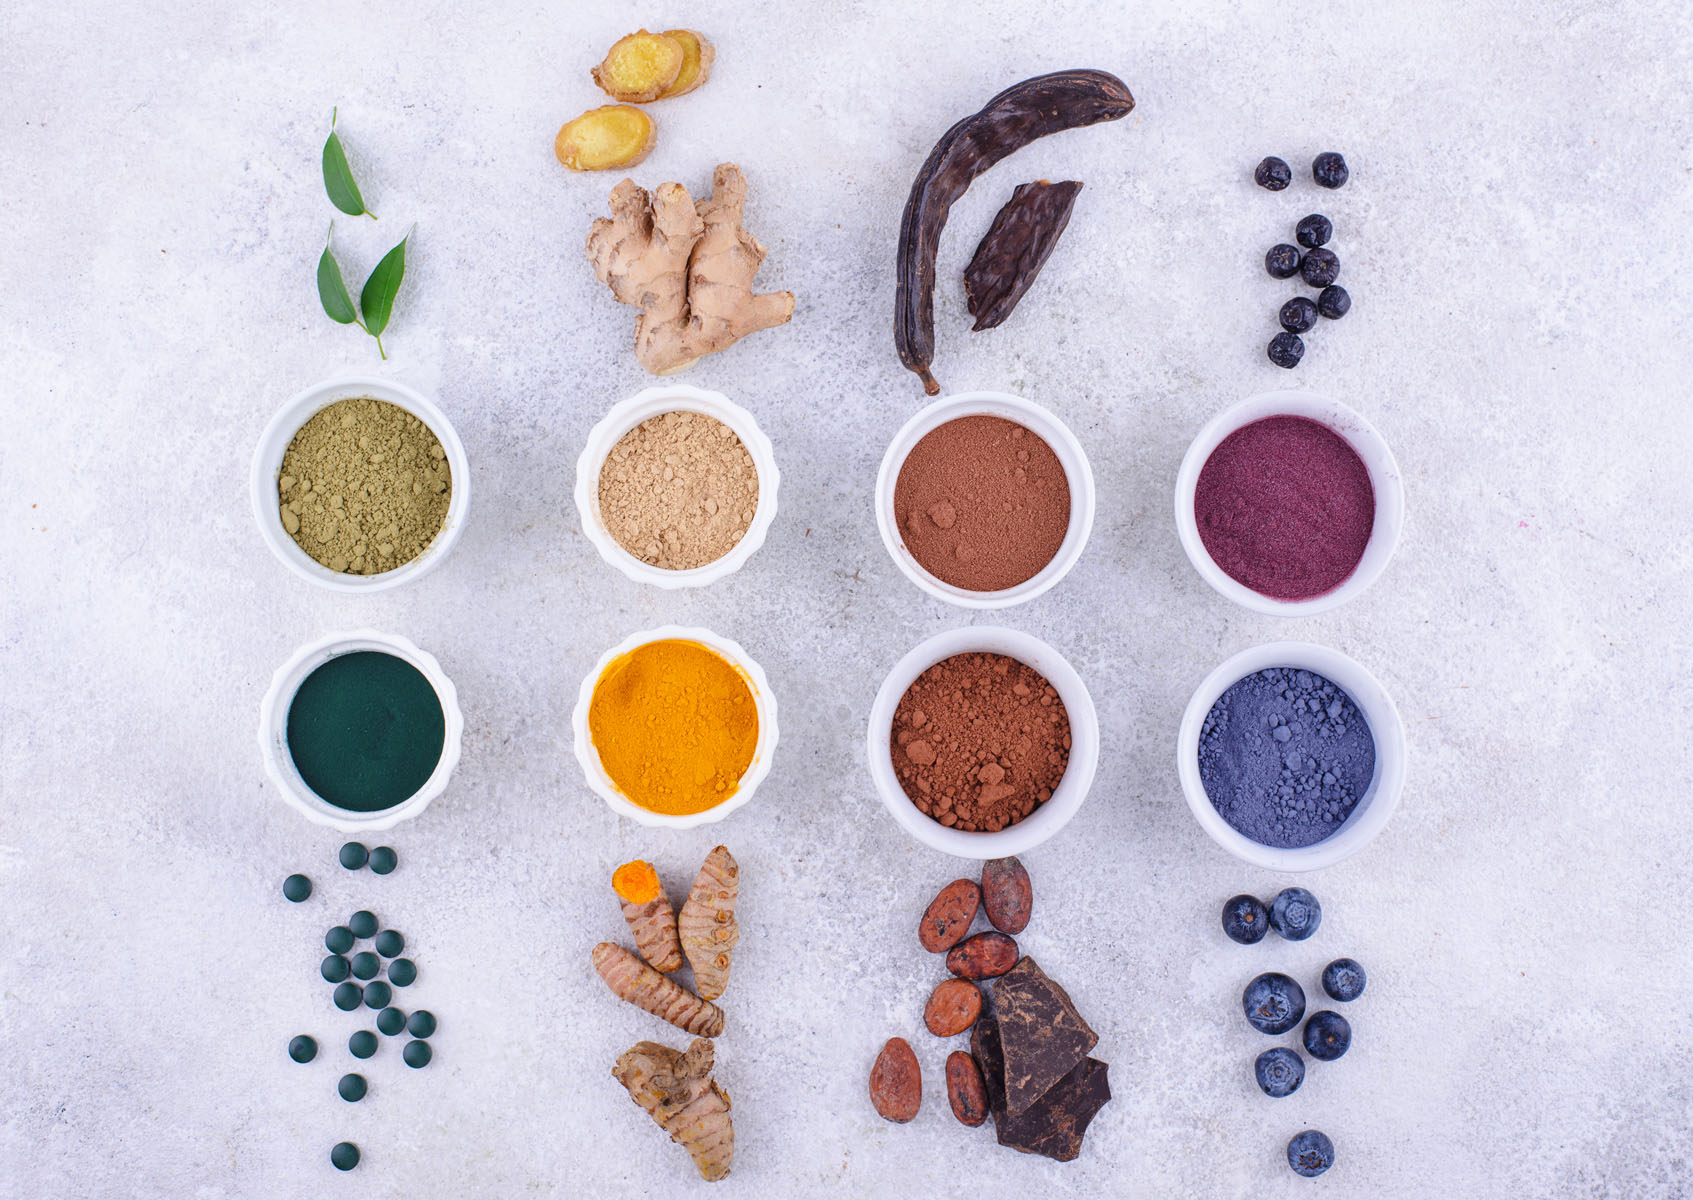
point(656, 401)
point(1067, 797)
point(1385, 478)
point(764, 750)
point(267, 469)
point(273, 730)
point(1036, 420)
point(1373, 808)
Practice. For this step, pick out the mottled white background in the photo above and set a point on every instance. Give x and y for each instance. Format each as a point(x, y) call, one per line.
point(1516, 237)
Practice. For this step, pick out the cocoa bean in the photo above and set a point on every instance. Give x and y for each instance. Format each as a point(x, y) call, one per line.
point(953, 1007)
point(948, 917)
point(1007, 894)
point(896, 1082)
point(965, 1090)
point(984, 956)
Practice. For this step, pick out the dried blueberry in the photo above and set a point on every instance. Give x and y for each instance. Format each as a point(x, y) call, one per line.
point(296, 888)
point(1274, 1003)
point(302, 1049)
point(1343, 979)
point(1310, 1153)
point(1298, 315)
point(1314, 230)
point(1294, 913)
point(1334, 302)
point(1273, 174)
point(1328, 1035)
point(345, 1156)
point(1282, 262)
point(1319, 267)
point(1286, 350)
point(1329, 169)
point(1280, 1072)
point(1245, 919)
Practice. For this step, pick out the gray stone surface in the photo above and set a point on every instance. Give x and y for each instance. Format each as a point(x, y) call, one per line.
point(1516, 237)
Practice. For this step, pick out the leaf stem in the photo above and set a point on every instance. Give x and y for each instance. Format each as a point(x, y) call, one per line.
point(379, 348)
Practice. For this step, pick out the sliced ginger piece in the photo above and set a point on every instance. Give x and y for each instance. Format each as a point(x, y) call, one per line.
point(606, 138)
point(698, 55)
point(641, 67)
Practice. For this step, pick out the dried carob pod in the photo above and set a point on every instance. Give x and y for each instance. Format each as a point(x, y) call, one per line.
point(1016, 247)
point(1011, 120)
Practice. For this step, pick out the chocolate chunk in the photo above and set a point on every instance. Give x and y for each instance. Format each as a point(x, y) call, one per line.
point(1053, 1125)
point(1042, 1035)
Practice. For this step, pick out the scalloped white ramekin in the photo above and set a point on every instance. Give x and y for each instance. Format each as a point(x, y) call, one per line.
point(764, 750)
point(1373, 808)
point(273, 730)
point(654, 402)
point(267, 469)
point(1067, 797)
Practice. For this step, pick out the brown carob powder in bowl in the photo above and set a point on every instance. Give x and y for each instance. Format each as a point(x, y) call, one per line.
point(980, 741)
point(982, 503)
point(678, 491)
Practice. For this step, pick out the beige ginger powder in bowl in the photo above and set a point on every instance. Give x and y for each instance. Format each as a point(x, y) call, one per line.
point(678, 491)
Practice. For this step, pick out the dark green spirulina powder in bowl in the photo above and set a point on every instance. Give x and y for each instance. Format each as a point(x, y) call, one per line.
point(365, 730)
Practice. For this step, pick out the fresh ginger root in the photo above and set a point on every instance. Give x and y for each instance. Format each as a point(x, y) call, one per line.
point(633, 980)
point(678, 1092)
point(605, 138)
point(648, 912)
point(708, 927)
point(688, 266)
point(641, 67)
point(697, 56)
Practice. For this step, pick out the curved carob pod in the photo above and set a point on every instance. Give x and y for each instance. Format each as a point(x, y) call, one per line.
point(1017, 116)
point(1016, 247)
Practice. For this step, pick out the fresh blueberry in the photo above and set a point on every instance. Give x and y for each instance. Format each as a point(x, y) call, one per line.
point(1314, 230)
point(1273, 174)
point(1319, 267)
point(1329, 169)
point(296, 888)
point(1334, 302)
point(1280, 1072)
point(1310, 1153)
point(354, 855)
point(1282, 261)
point(1245, 919)
point(1343, 979)
point(1295, 914)
point(1274, 1003)
point(1286, 350)
point(1298, 315)
point(1327, 1035)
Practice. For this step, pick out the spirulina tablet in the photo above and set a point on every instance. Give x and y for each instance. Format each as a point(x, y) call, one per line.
point(377, 995)
point(422, 1023)
point(416, 1054)
point(338, 940)
point(348, 997)
point(345, 1156)
point(334, 969)
point(352, 1088)
point(354, 855)
point(402, 972)
point(296, 888)
point(390, 943)
point(391, 1021)
point(366, 965)
point(362, 923)
point(383, 860)
point(302, 1049)
point(362, 1044)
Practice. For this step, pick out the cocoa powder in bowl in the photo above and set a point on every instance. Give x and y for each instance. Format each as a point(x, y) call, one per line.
point(980, 741)
point(982, 503)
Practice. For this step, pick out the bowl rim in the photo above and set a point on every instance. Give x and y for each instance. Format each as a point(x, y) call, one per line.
point(644, 405)
point(273, 444)
point(1067, 797)
point(1374, 808)
point(279, 697)
point(1385, 477)
point(1040, 421)
point(764, 750)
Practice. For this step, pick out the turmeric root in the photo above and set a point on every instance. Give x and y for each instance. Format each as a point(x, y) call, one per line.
point(605, 138)
point(641, 67)
point(697, 56)
point(651, 918)
point(678, 1092)
point(688, 266)
point(633, 980)
point(708, 926)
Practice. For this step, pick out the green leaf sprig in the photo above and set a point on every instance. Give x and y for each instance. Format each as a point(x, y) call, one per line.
point(338, 178)
point(376, 299)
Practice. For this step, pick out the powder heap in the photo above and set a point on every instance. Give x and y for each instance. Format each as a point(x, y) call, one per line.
point(982, 503)
point(1285, 506)
point(678, 491)
point(1285, 756)
point(364, 486)
point(980, 741)
point(365, 730)
point(675, 725)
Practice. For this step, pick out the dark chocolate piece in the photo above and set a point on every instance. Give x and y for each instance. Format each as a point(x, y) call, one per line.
point(1042, 1035)
point(1056, 1123)
point(1016, 247)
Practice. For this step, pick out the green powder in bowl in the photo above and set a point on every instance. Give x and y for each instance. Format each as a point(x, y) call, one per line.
point(365, 731)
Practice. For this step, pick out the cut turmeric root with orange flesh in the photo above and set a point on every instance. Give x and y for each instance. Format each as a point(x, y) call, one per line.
point(708, 926)
point(641, 67)
point(632, 980)
point(606, 138)
point(697, 56)
point(678, 1092)
point(649, 915)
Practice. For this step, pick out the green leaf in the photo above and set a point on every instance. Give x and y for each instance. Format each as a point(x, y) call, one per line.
point(377, 299)
point(338, 177)
point(331, 289)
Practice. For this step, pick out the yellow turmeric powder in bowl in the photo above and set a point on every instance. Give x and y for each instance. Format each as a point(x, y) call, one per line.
point(675, 726)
